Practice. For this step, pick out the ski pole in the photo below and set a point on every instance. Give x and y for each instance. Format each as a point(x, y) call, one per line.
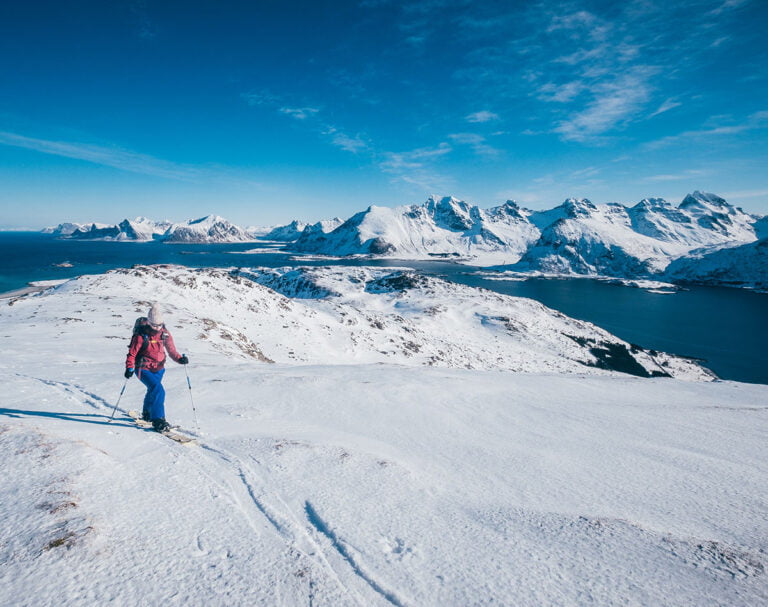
point(125, 383)
point(192, 400)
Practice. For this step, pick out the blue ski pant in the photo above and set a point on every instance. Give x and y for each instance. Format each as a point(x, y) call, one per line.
point(154, 401)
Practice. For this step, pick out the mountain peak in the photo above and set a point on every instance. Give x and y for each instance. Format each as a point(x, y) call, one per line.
point(699, 198)
point(578, 207)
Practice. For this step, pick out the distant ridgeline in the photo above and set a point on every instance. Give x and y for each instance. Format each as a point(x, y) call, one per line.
point(704, 239)
point(209, 229)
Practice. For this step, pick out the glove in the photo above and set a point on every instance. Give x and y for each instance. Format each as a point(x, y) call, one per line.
point(183, 360)
point(128, 373)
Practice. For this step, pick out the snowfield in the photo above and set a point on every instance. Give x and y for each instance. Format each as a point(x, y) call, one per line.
point(368, 437)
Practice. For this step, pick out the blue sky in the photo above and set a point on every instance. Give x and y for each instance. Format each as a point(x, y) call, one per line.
point(266, 111)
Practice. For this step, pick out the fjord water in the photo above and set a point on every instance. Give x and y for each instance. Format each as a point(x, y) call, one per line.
point(724, 327)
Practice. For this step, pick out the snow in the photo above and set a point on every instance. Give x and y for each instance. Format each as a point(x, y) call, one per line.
point(730, 266)
point(438, 227)
point(339, 475)
point(576, 237)
point(208, 229)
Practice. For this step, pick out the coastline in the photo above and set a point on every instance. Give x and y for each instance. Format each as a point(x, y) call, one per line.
point(33, 287)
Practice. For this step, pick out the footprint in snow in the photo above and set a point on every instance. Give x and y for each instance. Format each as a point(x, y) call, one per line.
point(395, 549)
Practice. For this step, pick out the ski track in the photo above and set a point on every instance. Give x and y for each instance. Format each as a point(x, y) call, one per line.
point(323, 529)
point(288, 530)
point(71, 390)
point(295, 534)
point(296, 537)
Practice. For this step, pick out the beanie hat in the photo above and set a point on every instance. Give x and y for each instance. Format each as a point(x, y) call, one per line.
point(155, 316)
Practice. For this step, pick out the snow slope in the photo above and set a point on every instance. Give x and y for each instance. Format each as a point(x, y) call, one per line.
point(142, 228)
point(741, 266)
point(591, 239)
point(286, 233)
point(342, 482)
point(576, 237)
point(63, 229)
point(579, 237)
point(208, 229)
point(441, 227)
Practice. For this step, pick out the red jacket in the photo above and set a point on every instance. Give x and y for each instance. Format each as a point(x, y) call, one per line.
point(151, 356)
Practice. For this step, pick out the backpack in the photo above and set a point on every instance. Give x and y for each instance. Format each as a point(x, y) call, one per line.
point(139, 327)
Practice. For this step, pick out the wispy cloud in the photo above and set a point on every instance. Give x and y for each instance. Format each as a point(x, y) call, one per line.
point(299, 113)
point(758, 120)
point(594, 68)
point(482, 116)
point(264, 97)
point(691, 174)
point(667, 104)
point(614, 103)
point(476, 142)
point(145, 26)
point(114, 157)
point(347, 143)
point(416, 167)
point(746, 194)
point(561, 93)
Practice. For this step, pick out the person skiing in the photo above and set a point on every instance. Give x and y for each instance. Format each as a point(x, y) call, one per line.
point(146, 357)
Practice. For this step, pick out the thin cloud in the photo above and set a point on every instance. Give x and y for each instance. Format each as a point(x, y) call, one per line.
point(299, 113)
point(676, 176)
point(561, 93)
point(758, 120)
point(619, 102)
point(415, 168)
point(667, 105)
point(260, 98)
point(341, 140)
point(746, 194)
point(476, 142)
point(117, 158)
point(482, 116)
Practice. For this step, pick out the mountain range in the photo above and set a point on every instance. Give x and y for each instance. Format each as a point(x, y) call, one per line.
point(703, 239)
point(576, 237)
point(208, 229)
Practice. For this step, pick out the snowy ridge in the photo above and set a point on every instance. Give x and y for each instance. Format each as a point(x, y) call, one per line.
point(444, 227)
point(286, 233)
point(142, 228)
point(576, 237)
point(64, 229)
point(208, 229)
point(352, 483)
point(345, 315)
point(740, 266)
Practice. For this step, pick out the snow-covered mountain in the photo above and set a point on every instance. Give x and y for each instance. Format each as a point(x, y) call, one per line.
point(286, 233)
point(208, 229)
point(142, 228)
point(96, 231)
point(582, 238)
point(579, 237)
point(575, 237)
point(65, 229)
point(441, 227)
point(761, 227)
point(740, 266)
point(366, 465)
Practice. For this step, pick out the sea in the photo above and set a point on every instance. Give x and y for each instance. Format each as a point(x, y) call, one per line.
point(723, 327)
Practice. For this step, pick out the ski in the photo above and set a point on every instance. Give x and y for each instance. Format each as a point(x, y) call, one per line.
point(172, 433)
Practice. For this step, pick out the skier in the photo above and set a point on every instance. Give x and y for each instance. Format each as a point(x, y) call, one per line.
point(146, 356)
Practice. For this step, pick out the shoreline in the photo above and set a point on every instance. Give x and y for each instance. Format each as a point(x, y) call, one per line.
point(32, 287)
